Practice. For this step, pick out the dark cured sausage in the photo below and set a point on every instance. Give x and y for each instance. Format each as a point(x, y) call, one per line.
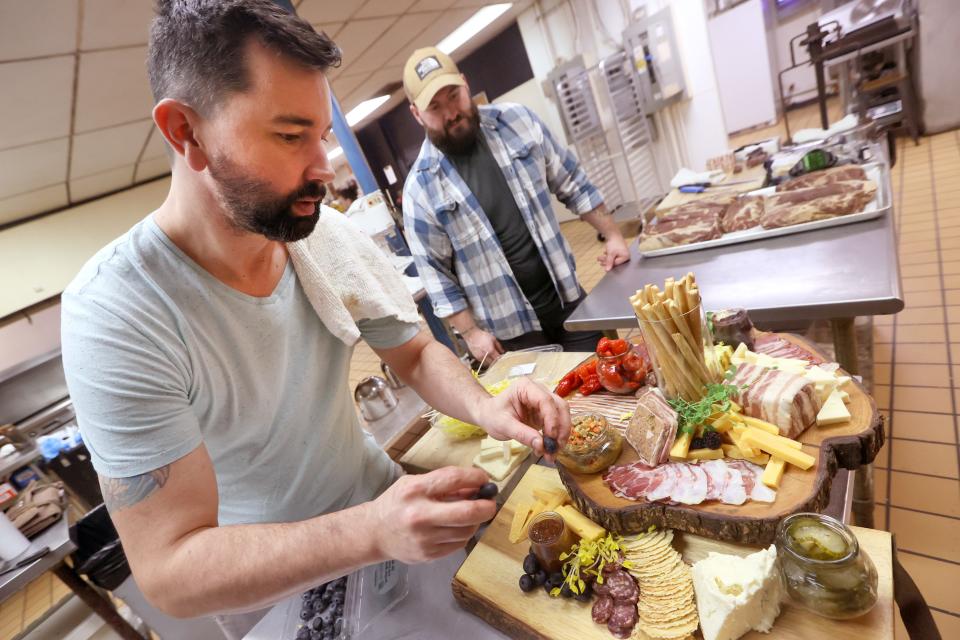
point(602, 609)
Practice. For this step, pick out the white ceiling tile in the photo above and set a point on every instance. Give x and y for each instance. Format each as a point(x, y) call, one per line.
point(35, 100)
point(357, 35)
point(98, 151)
point(325, 11)
point(28, 204)
point(371, 87)
point(343, 85)
point(152, 168)
point(377, 8)
point(384, 49)
point(112, 88)
point(431, 5)
point(437, 31)
point(37, 28)
point(115, 23)
point(31, 167)
point(330, 28)
point(100, 183)
point(156, 147)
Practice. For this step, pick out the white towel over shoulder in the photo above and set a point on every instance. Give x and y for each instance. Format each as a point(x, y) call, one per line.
point(347, 278)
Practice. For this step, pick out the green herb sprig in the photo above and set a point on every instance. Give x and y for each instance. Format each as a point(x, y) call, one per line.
point(717, 399)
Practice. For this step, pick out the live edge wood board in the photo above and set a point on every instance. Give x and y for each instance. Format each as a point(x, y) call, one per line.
point(848, 445)
point(487, 585)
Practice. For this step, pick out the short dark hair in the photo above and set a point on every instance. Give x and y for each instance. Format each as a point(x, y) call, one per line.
point(196, 52)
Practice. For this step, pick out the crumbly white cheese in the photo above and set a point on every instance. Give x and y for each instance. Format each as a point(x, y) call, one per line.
point(736, 595)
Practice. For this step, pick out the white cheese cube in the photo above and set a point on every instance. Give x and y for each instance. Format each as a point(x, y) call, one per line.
point(736, 595)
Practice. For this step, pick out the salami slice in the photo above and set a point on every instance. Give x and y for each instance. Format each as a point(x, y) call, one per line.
point(602, 608)
point(622, 587)
point(622, 618)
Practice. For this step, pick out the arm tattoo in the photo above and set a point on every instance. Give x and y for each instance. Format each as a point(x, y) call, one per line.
point(120, 493)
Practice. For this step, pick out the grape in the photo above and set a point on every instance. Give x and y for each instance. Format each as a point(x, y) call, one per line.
point(317, 624)
point(487, 491)
point(549, 444)
point(530, 564)
point(526, 583)
point(540, 577)
point(555, 579)
point(566, 591)
point(303, 634)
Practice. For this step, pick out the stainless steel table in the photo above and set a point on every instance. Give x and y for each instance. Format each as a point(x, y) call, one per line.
point(836, 274)
point(57, 539)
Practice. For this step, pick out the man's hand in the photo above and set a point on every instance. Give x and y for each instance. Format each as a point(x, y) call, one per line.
point(425, 517)
point(483, 346)
point(615, 252)
point(521, 410)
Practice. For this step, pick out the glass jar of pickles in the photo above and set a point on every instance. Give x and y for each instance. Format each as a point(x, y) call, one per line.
point(823, 567)
point(593, 444)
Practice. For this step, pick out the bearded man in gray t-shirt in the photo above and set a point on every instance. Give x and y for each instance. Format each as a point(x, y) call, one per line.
point(212, 398)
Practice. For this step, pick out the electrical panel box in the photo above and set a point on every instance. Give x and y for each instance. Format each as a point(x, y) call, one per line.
point(651, 43)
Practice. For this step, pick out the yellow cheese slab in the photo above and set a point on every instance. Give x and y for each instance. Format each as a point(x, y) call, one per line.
point(733, 451)
point(763, 425)
point(705, 454)
point(778, 446)
point(518, 526)
point(773, 472)
point(680, 447)
point(581, 524)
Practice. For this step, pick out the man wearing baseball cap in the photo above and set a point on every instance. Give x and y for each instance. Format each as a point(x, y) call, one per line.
point(478, 218)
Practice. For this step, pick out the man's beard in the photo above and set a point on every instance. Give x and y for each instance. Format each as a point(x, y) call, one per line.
point(457, 144)
point(255, 207)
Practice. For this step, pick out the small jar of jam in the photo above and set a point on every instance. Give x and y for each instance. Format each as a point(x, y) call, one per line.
point(549, 537)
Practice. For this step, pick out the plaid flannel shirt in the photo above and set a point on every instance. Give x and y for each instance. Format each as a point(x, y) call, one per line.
point(457, 253)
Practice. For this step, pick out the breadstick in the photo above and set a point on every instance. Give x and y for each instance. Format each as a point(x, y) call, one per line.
point(698, 367)
point(669, 358)
point(693, 314)
point(681, 323)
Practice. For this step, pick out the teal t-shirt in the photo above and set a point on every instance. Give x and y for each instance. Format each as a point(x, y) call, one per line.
point(160, 357)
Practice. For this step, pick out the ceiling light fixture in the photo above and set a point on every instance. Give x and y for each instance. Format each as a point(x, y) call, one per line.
point(472, 26)
point(334, 153)
point(365, 108)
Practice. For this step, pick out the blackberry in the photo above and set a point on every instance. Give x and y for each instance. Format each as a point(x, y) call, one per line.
point(697, 443)
point(711, 440)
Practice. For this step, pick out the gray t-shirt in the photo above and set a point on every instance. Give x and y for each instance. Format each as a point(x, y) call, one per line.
point(160, 357)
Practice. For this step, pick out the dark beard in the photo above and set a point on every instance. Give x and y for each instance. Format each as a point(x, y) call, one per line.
point(461, 145)
point(254, 207)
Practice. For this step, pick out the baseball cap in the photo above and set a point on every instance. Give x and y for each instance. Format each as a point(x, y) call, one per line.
point(427, 71)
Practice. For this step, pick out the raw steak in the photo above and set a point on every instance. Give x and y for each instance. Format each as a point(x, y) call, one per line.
point(744, 213)
point(826, 176)
point(816, 203)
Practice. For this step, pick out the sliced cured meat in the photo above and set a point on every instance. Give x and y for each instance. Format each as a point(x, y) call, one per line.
point(744, 213)
point(682, 225)
point(621, 587)
point(787, 400)
point(602, 609)
point(735, 492)
point(667, 476)
point(691, 487)
point(776, 347)
point(751, 474)
point(843, 173)
point(623, 618)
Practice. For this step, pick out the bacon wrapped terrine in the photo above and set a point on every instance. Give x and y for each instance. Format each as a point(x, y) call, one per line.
point(787, 400)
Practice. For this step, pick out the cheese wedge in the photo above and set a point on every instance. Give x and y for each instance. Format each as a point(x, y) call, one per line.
point(518, 526)
point(680, 447)
point(833, 411)
point(773, 472)
point(763, 425)
point(733, 451)
point(498, 468)
point(581, 524)
point(705, 454)
point(779, 447)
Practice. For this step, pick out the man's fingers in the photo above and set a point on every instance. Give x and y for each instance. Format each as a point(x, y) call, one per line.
point(461, 513)
point(497, 346)
point(449, 480)
point(553, 411)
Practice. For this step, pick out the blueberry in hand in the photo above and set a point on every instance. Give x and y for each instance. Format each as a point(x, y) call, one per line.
point(487, 491)
point(530, 564)
point(549, 444)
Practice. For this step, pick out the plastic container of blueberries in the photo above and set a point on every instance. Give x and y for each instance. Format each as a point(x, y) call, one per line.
point(371, 592)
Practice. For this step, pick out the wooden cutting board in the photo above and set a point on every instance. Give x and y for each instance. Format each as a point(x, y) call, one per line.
point(486, 585)
point(846, 445)
point(435, 449)
point(756, 175)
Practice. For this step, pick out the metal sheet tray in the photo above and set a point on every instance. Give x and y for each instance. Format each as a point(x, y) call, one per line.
point(874, 209)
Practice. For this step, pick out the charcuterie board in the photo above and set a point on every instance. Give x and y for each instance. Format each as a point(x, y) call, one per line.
point(847, 445)
point(486, 585)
